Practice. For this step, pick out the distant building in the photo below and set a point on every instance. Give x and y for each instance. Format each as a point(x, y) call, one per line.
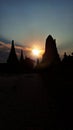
point(12, 59)
point(68, 59)
point(22, 58)
point(29, 63)
point(51, 55)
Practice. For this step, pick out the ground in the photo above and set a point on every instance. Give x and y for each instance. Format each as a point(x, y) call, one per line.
point(24, 102)
point(36, 101)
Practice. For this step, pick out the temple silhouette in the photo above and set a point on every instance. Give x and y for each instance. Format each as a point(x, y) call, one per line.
point(26, 64)
point(23, 64)
point(12, 59)
point(51, 55)
point(21, 57)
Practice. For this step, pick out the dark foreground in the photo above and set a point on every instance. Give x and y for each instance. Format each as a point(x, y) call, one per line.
point(36, 101)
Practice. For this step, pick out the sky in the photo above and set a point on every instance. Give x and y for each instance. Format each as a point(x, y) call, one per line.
point(29, 22)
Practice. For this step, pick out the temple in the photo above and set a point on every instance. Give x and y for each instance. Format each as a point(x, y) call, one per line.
point(12, 59)
point(21, 58)
point(51, 55)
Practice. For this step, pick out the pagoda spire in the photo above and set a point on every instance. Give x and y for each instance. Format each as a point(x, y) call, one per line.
point(12, 56)
point(21, 57)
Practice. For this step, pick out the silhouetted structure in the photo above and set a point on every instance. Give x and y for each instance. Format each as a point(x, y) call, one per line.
point(67, 59)
point(12, 59)
point(26, 63)
point(21, 57)
point(51, 55)
point(22, 65)
point(29, 63)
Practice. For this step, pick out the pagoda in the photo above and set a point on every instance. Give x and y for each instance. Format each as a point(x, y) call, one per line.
point(12, 59)
point(51, 55)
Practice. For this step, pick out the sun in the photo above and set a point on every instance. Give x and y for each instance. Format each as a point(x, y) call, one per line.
point(36, 52)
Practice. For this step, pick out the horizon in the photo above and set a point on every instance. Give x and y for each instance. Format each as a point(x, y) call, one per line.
point(5, 47)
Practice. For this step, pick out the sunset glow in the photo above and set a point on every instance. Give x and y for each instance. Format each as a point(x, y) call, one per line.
point(36, 52)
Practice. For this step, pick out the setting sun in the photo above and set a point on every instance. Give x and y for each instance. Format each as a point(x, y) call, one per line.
point(36, 52)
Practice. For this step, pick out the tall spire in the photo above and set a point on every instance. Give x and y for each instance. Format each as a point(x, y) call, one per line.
point(12, 56)
point(13, 44)
point(21, 57)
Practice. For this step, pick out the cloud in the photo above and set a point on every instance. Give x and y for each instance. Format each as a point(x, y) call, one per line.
point(5, 40)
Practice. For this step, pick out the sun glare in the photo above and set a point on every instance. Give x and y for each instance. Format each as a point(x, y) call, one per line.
point(36, 52)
